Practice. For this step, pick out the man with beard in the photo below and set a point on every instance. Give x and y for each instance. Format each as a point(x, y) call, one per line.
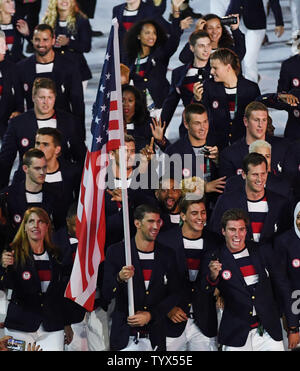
point(46, 63)
point(168, 196)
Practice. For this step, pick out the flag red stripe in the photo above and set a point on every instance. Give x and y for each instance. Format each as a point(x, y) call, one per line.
point(113, 125)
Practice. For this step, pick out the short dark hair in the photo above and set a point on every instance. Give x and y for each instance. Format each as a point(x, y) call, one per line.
point(253, 159)
point(52, 132)
point(198, 34)
point(185, 203)
point(193, 108)
point(234, 214)
point(141, 210)
point(30, 154)
point(44, 27)
point(43, 83)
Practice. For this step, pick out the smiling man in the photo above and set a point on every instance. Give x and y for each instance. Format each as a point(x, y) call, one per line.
point(269, 212)
point(247, 275)
point(256, 120)
point(192, 324)
point(155, 285)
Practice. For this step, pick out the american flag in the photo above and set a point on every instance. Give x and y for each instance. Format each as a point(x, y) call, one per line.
point(106, 123)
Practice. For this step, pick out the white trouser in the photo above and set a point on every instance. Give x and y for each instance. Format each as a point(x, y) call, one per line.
point(97, 330)
point(253, 41)
point(219, 7)
point(48, 341)
point(140, 345)
point(255, 342)
point(192, 339)
point(79, 342)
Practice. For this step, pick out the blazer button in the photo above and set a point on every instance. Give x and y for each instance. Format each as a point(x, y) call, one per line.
point(145, 79)
point(189, 305)
point(253, 297)
point(114, 289)
point(230, 135)
point(230, 123)
point(147, 292)
point(250, 313)
point(145, 308)
point(193, 290)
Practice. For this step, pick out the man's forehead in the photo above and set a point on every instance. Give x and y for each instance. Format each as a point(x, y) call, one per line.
point(38, 161)
point(236, 223)
point(44, 138)
point(42, 34)
point(151, 216)
point(259, 113)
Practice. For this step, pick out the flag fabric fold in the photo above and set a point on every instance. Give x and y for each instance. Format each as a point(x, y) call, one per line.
point(90, 227)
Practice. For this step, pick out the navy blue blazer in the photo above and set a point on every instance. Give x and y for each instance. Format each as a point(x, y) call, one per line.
point(155, 79)
point(226, 130)
point(253, 12)
point(65, 75)
point(289, 77)
point(283, 159)
point(29, 307)
point(239, 302)
point(20, 136)
point(159, 299)
point(287, 245)
point(80, 43)
point(10, 97)
point(204, 305)
point(178, 91)
point(277, 220)
point(146, 10)
point(189, 168)
point(291, 129)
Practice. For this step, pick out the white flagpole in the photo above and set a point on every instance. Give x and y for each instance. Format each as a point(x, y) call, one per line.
point(122, 156)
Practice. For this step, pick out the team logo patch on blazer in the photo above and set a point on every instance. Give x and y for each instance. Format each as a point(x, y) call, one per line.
point(296, 263)
point(296, 82)
point(296, 113)
point(17, 218)
point(226, 275)
point(26, 275)
point(215, 104)
point(24, 142)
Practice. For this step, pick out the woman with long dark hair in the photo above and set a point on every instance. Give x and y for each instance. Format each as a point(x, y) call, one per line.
point(33, 268)
point(219, 35)
point(149, 50)
point(136, 116)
